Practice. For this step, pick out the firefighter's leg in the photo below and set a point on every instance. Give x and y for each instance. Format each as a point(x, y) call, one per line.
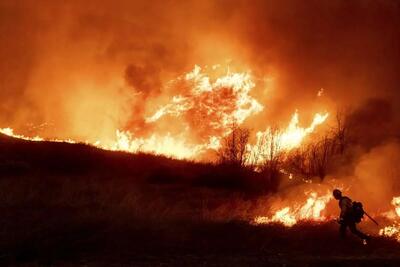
point(342, 230)
point(354, 230)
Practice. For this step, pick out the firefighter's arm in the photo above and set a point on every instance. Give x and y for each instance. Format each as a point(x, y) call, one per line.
point(343, 210)
point(342, 213)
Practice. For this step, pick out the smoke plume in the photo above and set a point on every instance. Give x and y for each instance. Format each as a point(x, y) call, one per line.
point(84, 69)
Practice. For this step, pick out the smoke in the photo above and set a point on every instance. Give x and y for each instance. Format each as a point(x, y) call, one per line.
point(87, 68)
point(373, 181)
point(347, 48)
point(376, 177)
point(374, 123)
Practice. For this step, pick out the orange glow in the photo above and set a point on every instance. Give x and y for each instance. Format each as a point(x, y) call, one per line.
point(273, 103)
point(393, 231)
point(396, 204)
point(177, 146)
point(206, 111)
point(292, 137)
point(159, 145)
point(10, 132)
point(226, 99)
point(310, 210)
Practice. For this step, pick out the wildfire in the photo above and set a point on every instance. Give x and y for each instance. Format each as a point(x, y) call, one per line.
point(159, 145)
point(215, 104)
point(294, 135)
point(204, 111)
point(396, 204)
point(393, 231)
point(311, 210)
point(178, 147)
point(272, 142)
point(10, 132)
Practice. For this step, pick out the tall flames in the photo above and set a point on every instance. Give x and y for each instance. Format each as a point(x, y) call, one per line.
point(225, 101)
point(204, 111)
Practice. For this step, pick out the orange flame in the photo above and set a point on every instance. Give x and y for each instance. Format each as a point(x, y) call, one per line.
point(159, 145)
point(311, 210)
point(207, 110)
point(10, 132)
point(396, 204)
point(292, 137)
point(393, 231)
point(222, 102)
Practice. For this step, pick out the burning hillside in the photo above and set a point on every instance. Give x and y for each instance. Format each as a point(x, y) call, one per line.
point(310, 202)
point(203, 111)
point(203, 115)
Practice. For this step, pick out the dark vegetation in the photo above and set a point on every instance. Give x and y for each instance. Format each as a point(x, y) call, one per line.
point(24, 158)
point(271, 162)
point(318, 156)
point(72, 204)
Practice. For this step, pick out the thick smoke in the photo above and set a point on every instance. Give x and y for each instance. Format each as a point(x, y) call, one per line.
point(374, 122)
point(87, 68)
point(376, 176)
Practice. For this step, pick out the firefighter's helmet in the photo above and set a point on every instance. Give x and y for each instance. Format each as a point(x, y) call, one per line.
point(337, 193)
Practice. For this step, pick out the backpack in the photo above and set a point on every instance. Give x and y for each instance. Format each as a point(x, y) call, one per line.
point(358, 211)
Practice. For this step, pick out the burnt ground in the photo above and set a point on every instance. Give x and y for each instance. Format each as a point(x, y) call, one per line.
point(68, 205)
point(134, 243)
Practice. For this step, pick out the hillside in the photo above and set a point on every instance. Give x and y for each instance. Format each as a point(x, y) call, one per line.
point(67, 204)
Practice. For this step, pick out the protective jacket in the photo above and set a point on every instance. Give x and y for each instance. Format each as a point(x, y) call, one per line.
point(346, 208)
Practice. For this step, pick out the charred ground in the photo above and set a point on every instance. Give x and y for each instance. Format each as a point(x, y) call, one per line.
point(65, 204)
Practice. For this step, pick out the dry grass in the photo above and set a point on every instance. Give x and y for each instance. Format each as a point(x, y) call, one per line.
point(65, 204)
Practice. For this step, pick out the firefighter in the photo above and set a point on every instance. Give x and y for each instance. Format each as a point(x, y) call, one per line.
point(348, 217)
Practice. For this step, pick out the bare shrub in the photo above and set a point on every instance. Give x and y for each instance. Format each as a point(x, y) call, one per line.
point(320, 156)
point(341, 131)
point(267, 156)
point(313, 160)
point(234, 147)
point(297, 162)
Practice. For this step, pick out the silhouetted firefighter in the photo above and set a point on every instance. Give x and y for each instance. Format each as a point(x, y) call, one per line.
point(350, 214)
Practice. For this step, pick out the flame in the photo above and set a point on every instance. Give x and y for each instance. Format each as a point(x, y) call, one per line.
point(396, 203)
point(311, 210)
point(292, 137)
point(205, 111)
point(393, 231)
point(219, 103)
point(320, 92)
point(159, 145)
point(177, 146)
point(10, 132)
